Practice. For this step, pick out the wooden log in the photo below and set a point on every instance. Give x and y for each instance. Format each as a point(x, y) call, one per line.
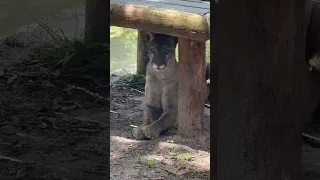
point(142, 56)
point(191, 87)
point(97, 21)
point(174, 23)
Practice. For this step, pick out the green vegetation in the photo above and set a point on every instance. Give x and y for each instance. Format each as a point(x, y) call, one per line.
point(148, 162)
point(170, 141)
point(152, 162)
point(61, 52)
point(133, 80)
point(193, 172)
point(181, 158)
point(123, 47)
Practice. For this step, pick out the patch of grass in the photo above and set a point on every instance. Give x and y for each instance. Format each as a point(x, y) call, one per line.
point(152, 162)
point(170, 141)
point(193, 172)
point(132, 80)
point(61, 52)
point(149, 162)
point(171, 154)
point(181, 158)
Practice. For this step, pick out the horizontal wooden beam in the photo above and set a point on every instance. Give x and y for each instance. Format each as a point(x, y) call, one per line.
point(171, 22)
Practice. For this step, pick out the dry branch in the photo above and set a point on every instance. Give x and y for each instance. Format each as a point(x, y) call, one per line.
point(11, 159)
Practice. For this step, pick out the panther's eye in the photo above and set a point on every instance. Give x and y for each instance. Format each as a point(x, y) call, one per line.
point(153, 50)
point(167, 51)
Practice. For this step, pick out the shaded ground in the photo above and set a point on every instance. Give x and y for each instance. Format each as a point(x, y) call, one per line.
point(53, 126)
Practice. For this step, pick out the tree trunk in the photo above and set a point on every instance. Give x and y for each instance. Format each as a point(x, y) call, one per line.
point(97, 21)
point(191, 87)
point(260, 87)
point(142, 56)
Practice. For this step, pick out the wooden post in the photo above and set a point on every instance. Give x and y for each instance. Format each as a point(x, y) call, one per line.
point(190, 89)
point(260, 88)
point(97, 21)
point(142, 56)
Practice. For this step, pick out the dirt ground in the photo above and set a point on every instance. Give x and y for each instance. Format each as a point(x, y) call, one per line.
point(57, 129)
point(155, 159)
point(52, 129)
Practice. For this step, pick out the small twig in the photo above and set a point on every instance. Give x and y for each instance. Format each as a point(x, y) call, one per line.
point(47, 83)
point(68, 118)
point(137, 90)
point(114, 112)
point(88, 130)
point(207, 105)
point(95, 95)
point(28, 136)
point(26, 75)
point(11, 159)
point(133, 126)
point(308, 136)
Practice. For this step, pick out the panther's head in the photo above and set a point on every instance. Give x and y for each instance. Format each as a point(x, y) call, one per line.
point(160, 49)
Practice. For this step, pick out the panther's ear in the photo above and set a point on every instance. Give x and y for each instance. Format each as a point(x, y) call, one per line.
point(148, 36)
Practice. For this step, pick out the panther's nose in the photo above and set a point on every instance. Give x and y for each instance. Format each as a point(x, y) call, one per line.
point(156, 67)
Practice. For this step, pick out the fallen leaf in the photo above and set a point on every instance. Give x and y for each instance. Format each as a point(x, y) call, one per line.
point(21, 173)
point(12, 79)
point(57, 100)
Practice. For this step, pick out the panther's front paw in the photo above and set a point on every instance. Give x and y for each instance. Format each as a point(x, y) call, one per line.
point(152, 131)
point(138, 133)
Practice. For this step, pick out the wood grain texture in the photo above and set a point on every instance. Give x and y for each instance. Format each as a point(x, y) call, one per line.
point(191, 87)
point(260, 88)
point(163, 21)
point(190, 6)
